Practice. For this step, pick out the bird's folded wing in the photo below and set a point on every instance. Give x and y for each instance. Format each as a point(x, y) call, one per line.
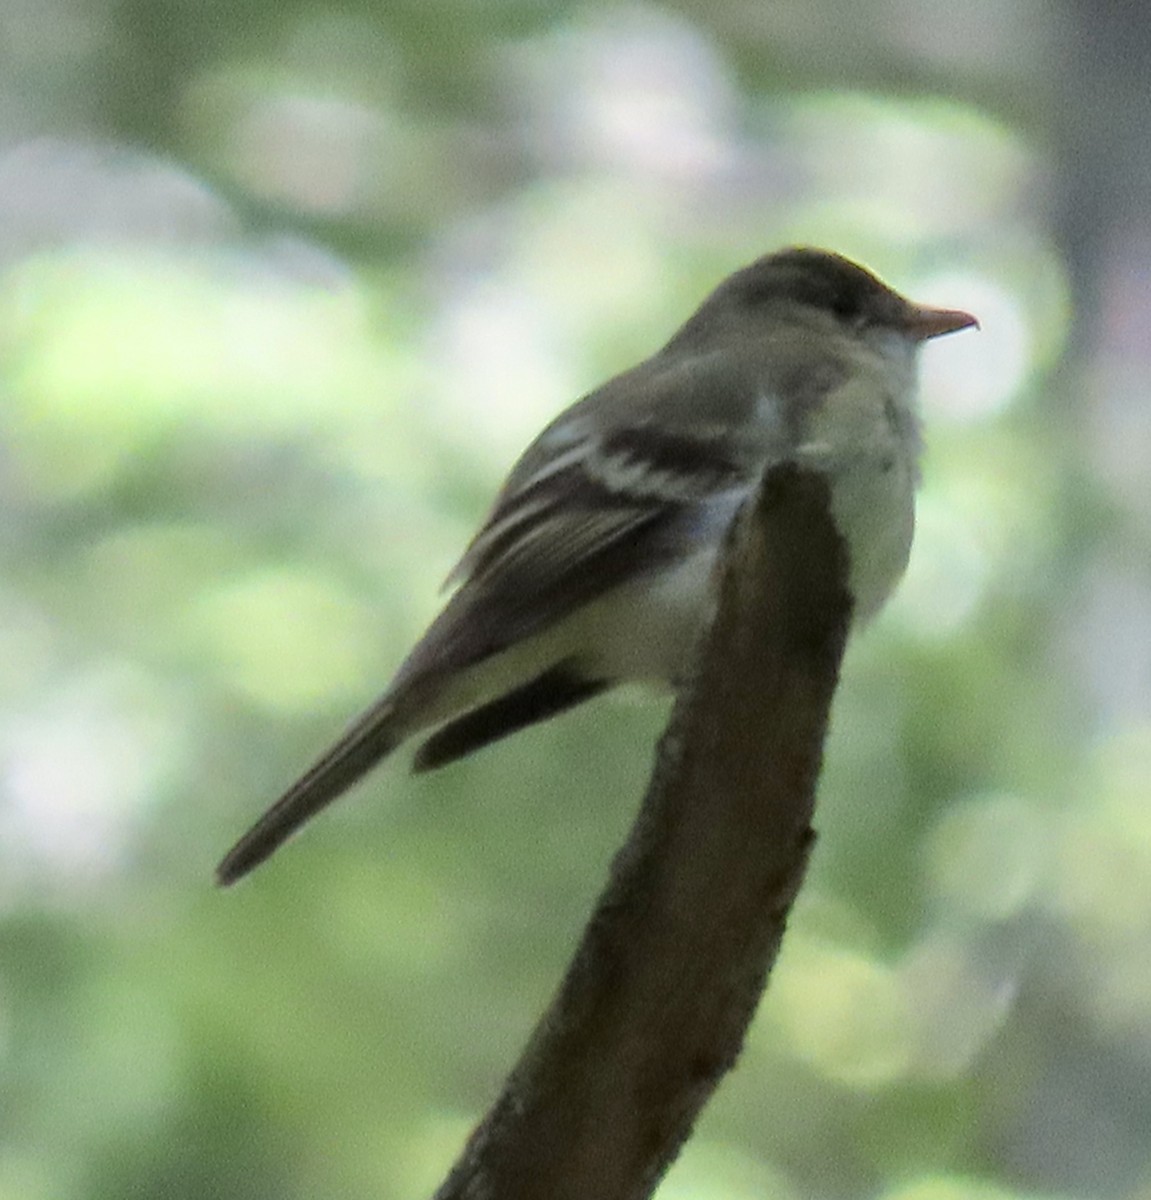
point(594, 515)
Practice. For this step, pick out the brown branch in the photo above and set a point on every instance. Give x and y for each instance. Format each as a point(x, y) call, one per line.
point(656, 1002)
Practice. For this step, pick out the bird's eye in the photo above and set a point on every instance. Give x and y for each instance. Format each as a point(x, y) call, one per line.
point(846, 307)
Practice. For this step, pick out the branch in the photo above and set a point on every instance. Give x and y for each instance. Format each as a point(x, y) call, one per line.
point(656, 1002)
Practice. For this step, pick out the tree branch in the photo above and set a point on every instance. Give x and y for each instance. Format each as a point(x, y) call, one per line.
point(657, 1000)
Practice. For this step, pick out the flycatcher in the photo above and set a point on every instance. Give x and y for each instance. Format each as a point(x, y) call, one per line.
point(593, 567)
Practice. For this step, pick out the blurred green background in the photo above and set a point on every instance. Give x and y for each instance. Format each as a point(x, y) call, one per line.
point(283, 290)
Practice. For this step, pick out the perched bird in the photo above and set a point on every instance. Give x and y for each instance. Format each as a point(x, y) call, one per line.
point(593, 566)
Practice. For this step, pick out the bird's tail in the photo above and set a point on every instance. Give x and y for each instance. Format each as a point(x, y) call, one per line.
point(373, 736)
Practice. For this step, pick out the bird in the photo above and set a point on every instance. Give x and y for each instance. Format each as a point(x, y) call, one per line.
point(593, 565)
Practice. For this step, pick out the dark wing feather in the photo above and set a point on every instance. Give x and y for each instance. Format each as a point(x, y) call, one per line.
point(556, 690)
point(581, 525)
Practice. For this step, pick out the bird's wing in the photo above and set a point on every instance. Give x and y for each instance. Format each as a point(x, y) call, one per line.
point(595, 513)
point(559, 536)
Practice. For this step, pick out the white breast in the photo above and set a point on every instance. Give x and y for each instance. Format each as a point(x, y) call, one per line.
point(865, 438)
point(874, 510)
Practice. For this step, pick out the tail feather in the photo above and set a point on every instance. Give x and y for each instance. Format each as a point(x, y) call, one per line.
point(416, 705)
point(369, 740)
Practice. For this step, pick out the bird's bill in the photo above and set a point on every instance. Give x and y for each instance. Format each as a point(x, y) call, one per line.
point(923, 322)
